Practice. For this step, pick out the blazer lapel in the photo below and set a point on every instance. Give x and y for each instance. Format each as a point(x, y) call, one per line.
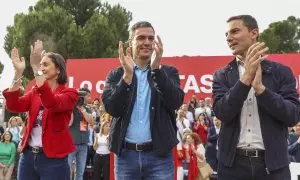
point(232, 73)
point(267, 77)
point(46, 111)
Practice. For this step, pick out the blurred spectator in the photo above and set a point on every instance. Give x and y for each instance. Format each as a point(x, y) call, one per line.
point(15, 129)
point(181, 123)
point(189, 115)
point(101, 166)
point(212, 143)
point(294, 144)
point(180, 155)
point(96, 109)
point(203, 109)
point(104, 116)
point(1, 130)
point(201, 126)
point(78, 126)
point(195, 156)
point(7, 156)
point(208, 107)
point(90, 152)
point(192, 105)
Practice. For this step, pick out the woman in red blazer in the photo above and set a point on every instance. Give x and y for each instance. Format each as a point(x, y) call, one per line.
point(201, 127)
point(46, 141)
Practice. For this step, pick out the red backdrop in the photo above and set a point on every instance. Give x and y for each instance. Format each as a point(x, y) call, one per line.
point(195, 72)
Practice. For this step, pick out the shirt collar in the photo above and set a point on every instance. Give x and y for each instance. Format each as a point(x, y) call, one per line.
point(239, 61)
point(135, 66)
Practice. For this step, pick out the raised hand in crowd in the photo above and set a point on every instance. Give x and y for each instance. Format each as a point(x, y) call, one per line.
point(36, 55)
point(36, 52)
point(126, 62)
point(157, 54)
point(19, 67)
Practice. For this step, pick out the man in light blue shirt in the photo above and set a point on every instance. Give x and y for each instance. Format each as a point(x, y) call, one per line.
point(142, 96)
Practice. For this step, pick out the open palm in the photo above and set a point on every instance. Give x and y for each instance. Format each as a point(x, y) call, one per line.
point(36, 53)
point(126, 60)
point(18, 63)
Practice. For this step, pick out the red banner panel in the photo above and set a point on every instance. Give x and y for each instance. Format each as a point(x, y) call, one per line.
point(196, 73)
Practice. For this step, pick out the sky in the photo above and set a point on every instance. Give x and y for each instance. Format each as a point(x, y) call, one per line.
point(187, 27)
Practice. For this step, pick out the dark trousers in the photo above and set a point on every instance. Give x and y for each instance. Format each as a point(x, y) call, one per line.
point(245, 168)
point(101, 167)
point(90, 155)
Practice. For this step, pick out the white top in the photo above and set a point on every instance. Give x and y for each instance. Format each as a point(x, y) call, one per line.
point(180, 127)
point(102, 144)
point(36, 133)
point(250, 135)
point(190, 117)
point(200, 110)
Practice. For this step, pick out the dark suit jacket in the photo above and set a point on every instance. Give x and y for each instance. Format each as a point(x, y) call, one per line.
point(294, 147)
point(278, 107)
point(212, 139)
point(166, 96)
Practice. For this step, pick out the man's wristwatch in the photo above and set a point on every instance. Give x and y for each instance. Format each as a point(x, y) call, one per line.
point(38, 73)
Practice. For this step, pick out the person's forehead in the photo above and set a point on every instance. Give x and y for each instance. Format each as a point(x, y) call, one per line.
point(237, 23)
point(145, 31)
point(46, 59)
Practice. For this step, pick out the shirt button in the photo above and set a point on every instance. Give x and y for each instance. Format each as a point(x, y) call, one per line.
point(128, 89)
point(249, 115)
point(154, 77)
point(250, 99)
point(152, 108)
point(249, 130)
point(248, 145)
point(141, 122)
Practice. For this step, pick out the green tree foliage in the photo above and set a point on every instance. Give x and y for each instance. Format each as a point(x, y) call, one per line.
point(1, 68)
point(283, 36)
point(73, 28)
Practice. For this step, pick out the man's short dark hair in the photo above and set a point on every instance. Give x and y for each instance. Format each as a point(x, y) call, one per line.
point(140, 24)
point(249, 21)
point(85, 89)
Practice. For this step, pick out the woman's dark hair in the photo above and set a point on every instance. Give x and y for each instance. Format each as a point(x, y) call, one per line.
point(2, 137)
point(60, 63)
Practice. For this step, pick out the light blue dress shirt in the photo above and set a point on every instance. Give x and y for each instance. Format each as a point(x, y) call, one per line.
point(139, 126)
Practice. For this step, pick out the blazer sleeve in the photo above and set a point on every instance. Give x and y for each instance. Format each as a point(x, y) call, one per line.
point(167, 83)
point(284, 104)
point(211, 136)
point(227, 101)
point(15, 102)
point(116, 94)
point(64, 101)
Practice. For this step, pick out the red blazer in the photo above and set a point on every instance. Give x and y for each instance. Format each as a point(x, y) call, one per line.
point(202, 132)
point(58, 106)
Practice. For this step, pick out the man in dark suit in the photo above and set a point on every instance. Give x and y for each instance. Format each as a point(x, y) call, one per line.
point(142, 95)
point(294, 144)
point(212, 143)
point(256, 100)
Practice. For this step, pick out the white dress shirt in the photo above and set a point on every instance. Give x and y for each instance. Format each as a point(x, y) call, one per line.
point(250, 135)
